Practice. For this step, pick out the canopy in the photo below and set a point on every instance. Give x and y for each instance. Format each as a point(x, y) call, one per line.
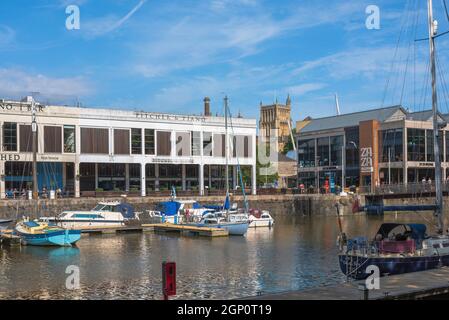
point(400, 231)
point(127, 210)
point(169, 208)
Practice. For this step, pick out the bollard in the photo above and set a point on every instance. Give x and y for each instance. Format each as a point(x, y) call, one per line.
point(364, 292)
point(168, 279)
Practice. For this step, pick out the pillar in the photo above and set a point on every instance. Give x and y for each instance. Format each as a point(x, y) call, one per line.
point(235, 177)
point(127, 177)
point(96, 176)
point(143, 185)
point(254, 179)
point(156, 177)
point(201, 179)
point(2, 180)
point(77, 179)
point(183, 177)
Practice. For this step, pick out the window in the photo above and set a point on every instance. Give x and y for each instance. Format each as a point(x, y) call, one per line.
point(121, 141)
point(219, 145)
point(52, 139)
point(207, 144)
point(149, 141)
point(196, 143)
point(336, 144)
point(136, 141)
point(183, 144)
point(416, 144)
point(390, 145)
point(94, 140)
point(306, 153)
point(9, 136)
point(323, 151)
point(69, 139)
point(163, 143)
point(430, 147)
point(25, 133)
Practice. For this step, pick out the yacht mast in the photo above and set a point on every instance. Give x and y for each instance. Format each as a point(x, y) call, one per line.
point(226, 145)
point(438, 187)
point(34, 146)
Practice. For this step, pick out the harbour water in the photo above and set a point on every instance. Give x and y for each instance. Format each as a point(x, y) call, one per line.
point(299, 252)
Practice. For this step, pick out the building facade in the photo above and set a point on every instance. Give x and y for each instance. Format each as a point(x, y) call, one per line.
point(370, 148)
point(275, 121)
point(85, 149)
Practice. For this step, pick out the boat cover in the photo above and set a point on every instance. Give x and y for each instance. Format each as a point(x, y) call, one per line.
point(400, 231)
point(169, 208)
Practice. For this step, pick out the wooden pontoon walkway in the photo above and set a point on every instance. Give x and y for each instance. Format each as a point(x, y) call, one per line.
point(160, 227)
point(417, 285)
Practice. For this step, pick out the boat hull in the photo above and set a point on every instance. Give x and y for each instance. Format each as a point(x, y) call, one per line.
point(256, 223)
point(83, 224)
point(234, 229)
point(388, 265)
point(56, 238)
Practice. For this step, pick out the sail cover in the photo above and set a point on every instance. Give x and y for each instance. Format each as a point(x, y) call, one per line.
point(169, 208)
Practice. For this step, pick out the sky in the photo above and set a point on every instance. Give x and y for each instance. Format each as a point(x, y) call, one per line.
point(166, 56)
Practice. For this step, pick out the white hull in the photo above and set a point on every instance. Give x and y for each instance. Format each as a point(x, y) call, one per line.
point(258, 223)
point(87, 224)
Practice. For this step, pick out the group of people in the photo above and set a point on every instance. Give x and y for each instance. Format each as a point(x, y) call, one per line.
point(44, 194)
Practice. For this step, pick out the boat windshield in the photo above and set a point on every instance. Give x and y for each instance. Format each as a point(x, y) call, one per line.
point(102, 207)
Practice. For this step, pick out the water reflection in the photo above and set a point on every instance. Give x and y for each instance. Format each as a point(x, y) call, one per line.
point(299, 252)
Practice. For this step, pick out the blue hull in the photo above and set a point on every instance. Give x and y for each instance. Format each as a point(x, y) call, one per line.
point(234, 229)
point(389, 265)
point(56, 238)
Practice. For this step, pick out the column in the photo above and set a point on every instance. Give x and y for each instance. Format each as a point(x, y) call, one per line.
point(201, 179)
point(143, 185)
point(96, 176)
point(2, 180)
point(235, 177)
point(183, 177)
point(254, 179)
point(209, 169)
point(127, 177)
point(156, 177)
point(404, 154)
point(77, 179)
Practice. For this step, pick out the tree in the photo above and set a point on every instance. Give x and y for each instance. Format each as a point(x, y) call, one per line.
point(289, 145)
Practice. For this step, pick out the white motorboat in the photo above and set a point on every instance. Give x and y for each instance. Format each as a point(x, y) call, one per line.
point(105, 214)
point(259, 218)
point(175, 211)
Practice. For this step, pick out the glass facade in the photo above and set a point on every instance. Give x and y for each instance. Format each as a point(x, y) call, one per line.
point(69, 139)
point(323, 151)
point(306, 153)
point(429, 150)
point(336, 144)
point(391, 145)
point(416, 144)
point(136, 141)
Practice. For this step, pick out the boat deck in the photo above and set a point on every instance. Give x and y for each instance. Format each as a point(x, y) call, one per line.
point(416, 285)
point(7, 238)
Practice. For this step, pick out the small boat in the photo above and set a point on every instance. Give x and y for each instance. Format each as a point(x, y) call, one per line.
point(176, 211)
point(396, 249)
point(37, 233)
point(260, 218)
point(4, 223)
point(216, 220)
point(105, 214)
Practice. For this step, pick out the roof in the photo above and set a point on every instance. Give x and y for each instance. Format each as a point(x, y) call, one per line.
point(352, 119)
point(425, 115)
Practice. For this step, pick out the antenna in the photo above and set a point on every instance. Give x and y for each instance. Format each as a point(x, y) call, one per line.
point(337, 105)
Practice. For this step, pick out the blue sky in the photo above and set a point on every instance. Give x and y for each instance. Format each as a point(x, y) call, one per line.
point(165, 56)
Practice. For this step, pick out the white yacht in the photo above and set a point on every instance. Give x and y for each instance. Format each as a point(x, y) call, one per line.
point(259, 218)
point(105, 214)
point(175, 211)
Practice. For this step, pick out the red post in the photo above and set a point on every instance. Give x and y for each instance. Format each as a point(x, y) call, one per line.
point(168, 279)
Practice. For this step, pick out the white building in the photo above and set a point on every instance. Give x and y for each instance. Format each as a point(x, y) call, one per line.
point(82, 150)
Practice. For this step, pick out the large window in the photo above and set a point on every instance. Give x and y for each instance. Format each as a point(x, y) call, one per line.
point(430, 148)
point(52, 139)
point(336, 144)
point(391, 146)
point(9, 136)
point(306, 153)
point(121, 141)
point(207, 144)
point(94, 140)
point(219, 145)
point(352, 149)
point(136, 141)
point(183, 144)
point(323, 151)
point(25, 134)
point(196, 143)
point(69, 139)
point(163, 143)
point(149, 141)
point(416, 144)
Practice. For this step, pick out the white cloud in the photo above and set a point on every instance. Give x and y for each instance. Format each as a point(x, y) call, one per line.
point(15, 82)
point(7, 36)
point(304, 88)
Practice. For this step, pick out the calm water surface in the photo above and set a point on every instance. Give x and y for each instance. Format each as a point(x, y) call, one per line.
point(299, 252)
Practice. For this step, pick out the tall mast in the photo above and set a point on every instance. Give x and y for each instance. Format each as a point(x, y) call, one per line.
point(438, 187)
point(226, 144)
point(34, 146)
